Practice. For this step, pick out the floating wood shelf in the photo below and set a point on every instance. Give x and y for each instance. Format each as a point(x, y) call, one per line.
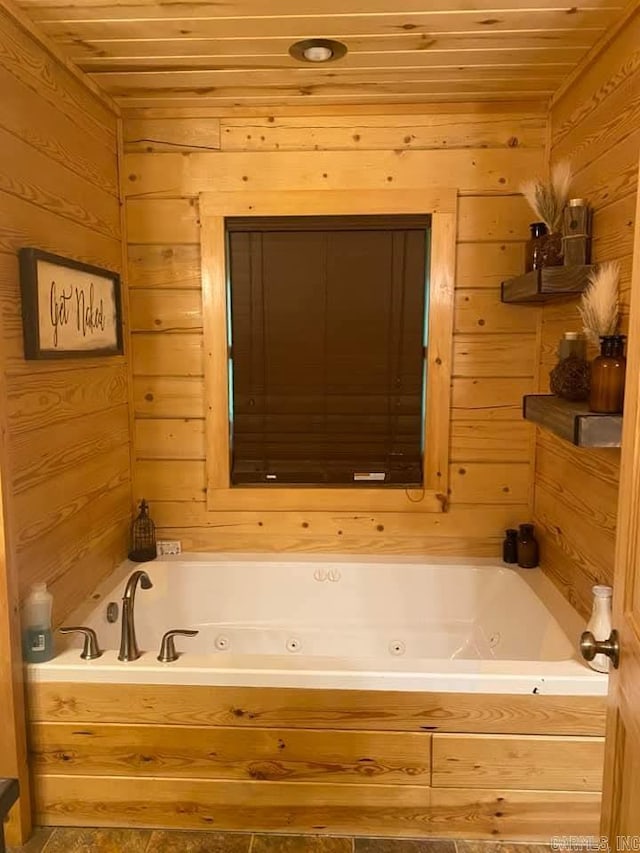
point(546, 284)
point(573, 421)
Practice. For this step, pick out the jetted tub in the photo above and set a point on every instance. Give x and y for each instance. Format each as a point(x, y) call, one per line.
point(363, 623)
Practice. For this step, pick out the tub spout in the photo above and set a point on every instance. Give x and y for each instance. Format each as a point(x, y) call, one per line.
point(128, 644)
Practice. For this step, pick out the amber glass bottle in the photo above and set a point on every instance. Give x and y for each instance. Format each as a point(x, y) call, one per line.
point(528, 555)
point(607, 376)
point(510, 546)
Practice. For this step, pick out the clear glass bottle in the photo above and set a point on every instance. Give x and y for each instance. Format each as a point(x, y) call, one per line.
point(600, 623)
point(37, 638)
point(572, 344)
point(607, 376)
point(551, 250)
point(533, 248)
point(570, 378)
point(528, 555)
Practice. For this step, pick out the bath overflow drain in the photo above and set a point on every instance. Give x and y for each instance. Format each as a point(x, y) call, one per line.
point(222, 643)
point(397, 647)
point(294, 645)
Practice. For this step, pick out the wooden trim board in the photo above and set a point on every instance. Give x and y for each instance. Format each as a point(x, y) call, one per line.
point(214, 207)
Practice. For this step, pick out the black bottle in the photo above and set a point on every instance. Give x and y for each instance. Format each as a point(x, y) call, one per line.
point(528, 555)
point(510, 546)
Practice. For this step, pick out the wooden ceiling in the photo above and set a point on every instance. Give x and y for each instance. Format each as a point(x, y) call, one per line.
point(149, 53)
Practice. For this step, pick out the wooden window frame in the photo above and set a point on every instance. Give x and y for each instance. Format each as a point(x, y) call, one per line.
point(215, 207)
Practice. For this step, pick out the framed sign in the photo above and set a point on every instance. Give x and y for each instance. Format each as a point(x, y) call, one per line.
point(69, 309)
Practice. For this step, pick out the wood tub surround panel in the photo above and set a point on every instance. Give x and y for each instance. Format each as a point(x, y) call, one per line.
point(595, 122)
point(260, 153)
point(320, 808)
point(536, 762)
point(299, 708)
point(271, 754)
point(310, 761)
point(533, 762)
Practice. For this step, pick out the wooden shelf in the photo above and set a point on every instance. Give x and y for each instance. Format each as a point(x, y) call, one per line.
point(546, 284)
point(573, 421)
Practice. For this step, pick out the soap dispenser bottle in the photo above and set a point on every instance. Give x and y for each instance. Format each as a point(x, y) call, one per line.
point(600, 623)
point(37, 637)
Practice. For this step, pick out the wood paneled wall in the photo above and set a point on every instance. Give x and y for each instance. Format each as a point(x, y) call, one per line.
point(67, 479)
point(595, 123)
point(486, 152)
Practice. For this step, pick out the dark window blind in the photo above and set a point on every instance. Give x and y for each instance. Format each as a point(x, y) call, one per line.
point(327, 329)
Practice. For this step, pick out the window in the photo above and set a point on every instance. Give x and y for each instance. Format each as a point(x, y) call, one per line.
point(327, 349)
point(216, 209)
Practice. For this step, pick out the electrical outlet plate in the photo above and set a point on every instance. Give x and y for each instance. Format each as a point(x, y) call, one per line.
point(168, 547)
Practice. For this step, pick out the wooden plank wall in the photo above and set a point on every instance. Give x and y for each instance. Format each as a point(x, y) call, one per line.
point(68, 477)
point(596, 123)
point(485, 151)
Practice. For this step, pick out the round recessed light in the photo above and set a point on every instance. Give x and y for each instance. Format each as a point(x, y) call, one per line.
point(317, 53)
point(317, 50)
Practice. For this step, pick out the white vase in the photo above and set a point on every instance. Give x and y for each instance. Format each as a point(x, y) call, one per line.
point(600, 623)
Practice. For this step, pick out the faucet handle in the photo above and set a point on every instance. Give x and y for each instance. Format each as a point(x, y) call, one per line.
point(168, 653)
point(91, 650)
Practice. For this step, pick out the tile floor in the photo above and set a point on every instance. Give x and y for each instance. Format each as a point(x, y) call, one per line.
point(160, 841)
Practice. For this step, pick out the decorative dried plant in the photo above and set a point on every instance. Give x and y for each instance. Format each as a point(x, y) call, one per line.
point(599, 303)
point(548, 200)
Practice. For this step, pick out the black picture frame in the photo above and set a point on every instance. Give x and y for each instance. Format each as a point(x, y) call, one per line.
point(69, 309)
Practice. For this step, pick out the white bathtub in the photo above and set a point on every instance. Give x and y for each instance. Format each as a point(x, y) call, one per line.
point(339, 623)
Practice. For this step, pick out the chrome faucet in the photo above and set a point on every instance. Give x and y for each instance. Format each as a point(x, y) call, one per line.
point(128, 644)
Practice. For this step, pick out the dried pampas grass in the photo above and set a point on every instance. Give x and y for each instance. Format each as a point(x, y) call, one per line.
point(599, 303)
point(548, 200)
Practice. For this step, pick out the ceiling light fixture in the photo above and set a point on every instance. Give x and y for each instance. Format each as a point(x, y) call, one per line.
point(317, 50)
